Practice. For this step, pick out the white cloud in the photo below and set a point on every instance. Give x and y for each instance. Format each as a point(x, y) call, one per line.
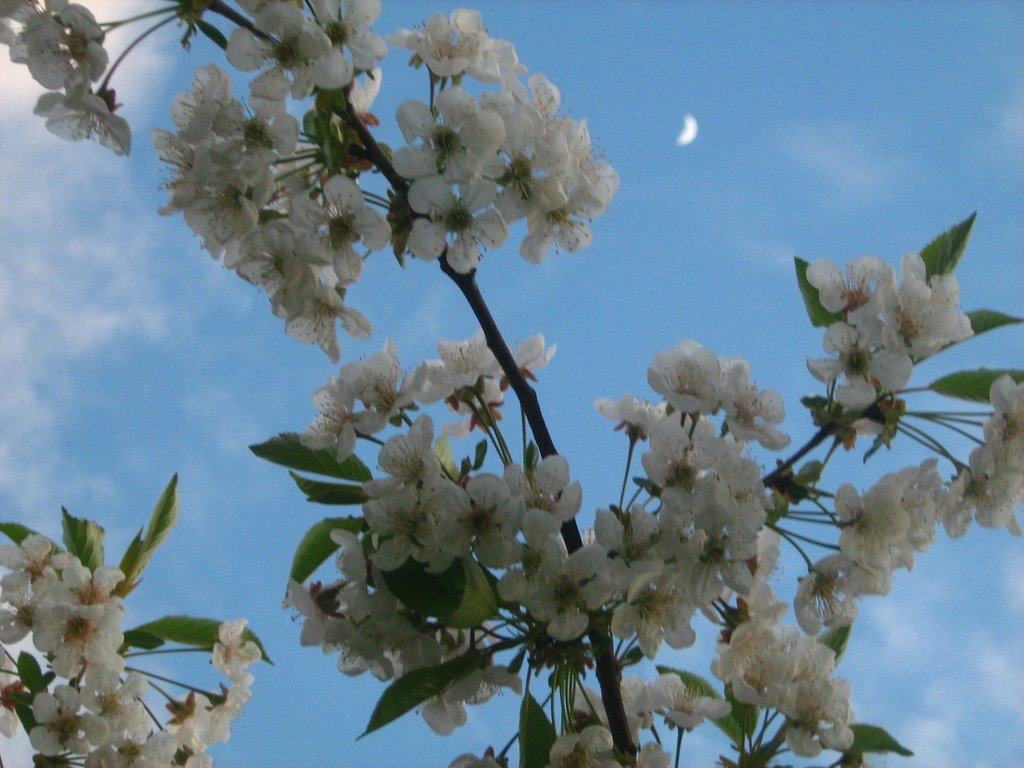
point(78, 276)
point(847, 157)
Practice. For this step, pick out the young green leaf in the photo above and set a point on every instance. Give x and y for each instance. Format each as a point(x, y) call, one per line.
point(983, 320)
point(161, 521)
point(193, 631)
point(339, 494)
point(536, 734)
point(973, 385)
point(288, 451)
point(479, 602)
point(942, 254)
point(84, 539)
point(16, 532)
point(130, 566)
point(317, 545)
point(415, 687)
point(836, 639)
point(30, 672)
point(873, 738)
point(429, 594)
point(819, 316)
point(443, 451)
point(135, 638)
point(479, 455)
point(213, 33)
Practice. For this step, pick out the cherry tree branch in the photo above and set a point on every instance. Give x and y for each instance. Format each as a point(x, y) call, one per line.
point(607, 667)
point(778, 477)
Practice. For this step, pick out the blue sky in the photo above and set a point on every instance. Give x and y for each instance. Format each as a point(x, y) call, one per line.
point(826, 130)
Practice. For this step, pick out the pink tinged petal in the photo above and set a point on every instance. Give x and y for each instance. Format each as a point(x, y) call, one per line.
point(272, 85)
point(415, 120)
point(430, 195)
point(490, 228)
point(892, 369)
point(245, 51)
point(484, 134)
point(343, 193)
point(479, 194)
point(373, 227)
point(856, 393)
point(546, 97)
point(427, 239)
point(566, 627)
point(573, 235)
point(367, 49)
point(463, 255)
point(332, 70)
point(534, 248)
point(355, 323)
point(519, 133)
point(826, 370)
point(363, 92)
point(361, 13)
point(467, 21)
point(415, 162)
point(455, 105)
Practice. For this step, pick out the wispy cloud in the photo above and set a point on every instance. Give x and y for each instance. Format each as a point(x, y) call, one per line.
point(847, 157)
point(77, 277)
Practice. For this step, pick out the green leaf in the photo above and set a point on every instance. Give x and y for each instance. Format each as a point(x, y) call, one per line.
point(84, 539)
point(429, 594)
point(479, 602)
point(130, 566)
point(317, 545)
point(28, 720)
point(415, 687)
point(288, 451)
point(213, 33)
point(836, 639)
point(819, 316)
point(983, 320)
point(161, 521)
point(973, 385)
point(479, 455)
point(536, 734)
point(136, 638)
point(192, 631)
point(443, 451)
point(329, 493)
point(942, 254)
point(30, 672)
point(16, 532)
point(873, 738)
point(726, 724)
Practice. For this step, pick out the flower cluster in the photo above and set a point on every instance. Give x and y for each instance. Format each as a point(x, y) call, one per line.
point(73, 617)
point(879, 532)
point(886, 326)
point(294, 218)
point(62, 46)
point(650, 567)
point(991, 486)
point(768, 664)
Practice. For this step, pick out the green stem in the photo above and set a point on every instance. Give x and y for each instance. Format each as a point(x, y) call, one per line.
point(109, 25)
point(625, 475)
point(126, 51)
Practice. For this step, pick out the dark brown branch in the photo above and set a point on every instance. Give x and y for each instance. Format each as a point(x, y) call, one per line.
point(778, 476)
point(607, 665)
point(223, 9)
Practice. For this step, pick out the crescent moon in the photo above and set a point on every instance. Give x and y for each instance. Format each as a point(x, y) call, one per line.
point(689, 132)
